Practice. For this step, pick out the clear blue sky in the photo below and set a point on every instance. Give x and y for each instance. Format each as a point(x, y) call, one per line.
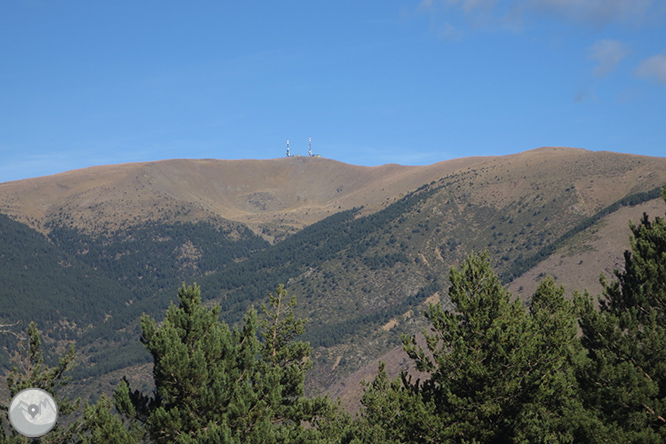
point(87, 83)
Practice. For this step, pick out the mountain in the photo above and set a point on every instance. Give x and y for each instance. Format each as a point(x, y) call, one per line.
point(363, 248)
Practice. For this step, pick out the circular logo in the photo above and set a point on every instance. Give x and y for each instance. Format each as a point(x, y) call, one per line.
point(33, 412)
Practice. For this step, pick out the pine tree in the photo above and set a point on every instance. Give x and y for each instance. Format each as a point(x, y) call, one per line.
point(552, 409)
point(30, 371)
point(626, 378)
point(220, 385)
point(283, 366)
point(394, 413)
point(102, 425)
point(496, 372)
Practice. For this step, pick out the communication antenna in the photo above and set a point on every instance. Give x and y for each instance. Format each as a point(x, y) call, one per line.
point(310, 147)
point(288, 155)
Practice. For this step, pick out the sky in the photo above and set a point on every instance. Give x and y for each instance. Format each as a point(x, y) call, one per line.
point(86, 83)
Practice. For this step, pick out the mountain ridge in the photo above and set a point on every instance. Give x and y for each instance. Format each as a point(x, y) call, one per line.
point(269, 195)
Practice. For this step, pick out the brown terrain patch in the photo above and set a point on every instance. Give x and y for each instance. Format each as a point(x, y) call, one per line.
point(600, 249)
point(350, 389)
point(598, 177)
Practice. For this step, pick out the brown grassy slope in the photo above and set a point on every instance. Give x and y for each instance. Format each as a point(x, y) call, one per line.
point(598, 177)
point(277, 196)
point(600, 249)
point(285, 194)
point(288, 192)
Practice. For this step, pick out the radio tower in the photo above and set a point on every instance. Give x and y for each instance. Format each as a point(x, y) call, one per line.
point(288, 155)
point(310, 147)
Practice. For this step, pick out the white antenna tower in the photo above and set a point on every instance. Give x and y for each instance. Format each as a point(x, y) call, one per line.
point(310, 147)
point(288, 155)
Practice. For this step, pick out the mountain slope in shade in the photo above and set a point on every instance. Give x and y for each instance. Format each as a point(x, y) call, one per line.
point(76, 295)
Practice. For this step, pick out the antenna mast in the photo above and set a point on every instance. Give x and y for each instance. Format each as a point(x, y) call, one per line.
point(310, 147)
point(288, 155)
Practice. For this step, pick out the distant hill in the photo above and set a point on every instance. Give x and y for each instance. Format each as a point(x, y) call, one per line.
point(363, 248)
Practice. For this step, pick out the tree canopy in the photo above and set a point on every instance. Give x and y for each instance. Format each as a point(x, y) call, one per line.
point(496, 371)
point(625, 380)
point(217, 384)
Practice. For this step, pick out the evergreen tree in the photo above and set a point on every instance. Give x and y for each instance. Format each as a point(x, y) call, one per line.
point(395, 413)
point(552, 410)
point(496, 372)
point(102, 425)
point(218, 385)
point(30, 371)
point(625, 381)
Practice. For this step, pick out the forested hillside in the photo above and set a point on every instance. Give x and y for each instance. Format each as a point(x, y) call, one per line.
point(47, 285)
point(81, 287)
point(492, 369)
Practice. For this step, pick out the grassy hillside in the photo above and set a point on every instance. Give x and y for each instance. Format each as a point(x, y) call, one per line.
point(273, 197)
